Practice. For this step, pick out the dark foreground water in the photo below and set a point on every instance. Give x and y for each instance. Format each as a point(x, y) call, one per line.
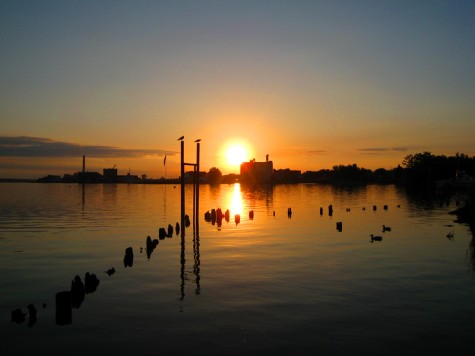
point(270, 285)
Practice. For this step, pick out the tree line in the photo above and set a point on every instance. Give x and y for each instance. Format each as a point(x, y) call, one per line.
point(419, 169)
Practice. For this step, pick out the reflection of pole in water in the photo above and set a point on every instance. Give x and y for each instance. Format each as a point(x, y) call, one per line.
point(196, 173)
point(472, 253)
point(196, 255)
point(182, 269)
point(83, 196)
point(165, 200)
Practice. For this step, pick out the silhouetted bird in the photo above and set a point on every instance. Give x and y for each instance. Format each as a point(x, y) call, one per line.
point(375, 238)
point(386, 228)
point(198, 140)
point(181, 138)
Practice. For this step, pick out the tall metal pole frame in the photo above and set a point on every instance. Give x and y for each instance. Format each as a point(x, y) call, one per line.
point(182, 178)
point(197, 183)
point(194, 195)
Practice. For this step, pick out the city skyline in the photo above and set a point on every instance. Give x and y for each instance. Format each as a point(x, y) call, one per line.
point(313, 83)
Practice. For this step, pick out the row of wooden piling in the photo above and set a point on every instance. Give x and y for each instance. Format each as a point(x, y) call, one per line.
point(216, 216)
point(73, 298)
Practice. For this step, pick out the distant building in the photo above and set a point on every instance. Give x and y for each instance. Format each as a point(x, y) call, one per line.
point(110, 174)
point(257, 172)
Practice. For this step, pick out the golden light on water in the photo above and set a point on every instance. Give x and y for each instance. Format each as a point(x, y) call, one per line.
point(236, 200)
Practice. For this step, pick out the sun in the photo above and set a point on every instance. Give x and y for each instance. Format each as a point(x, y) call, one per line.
point(235, 154)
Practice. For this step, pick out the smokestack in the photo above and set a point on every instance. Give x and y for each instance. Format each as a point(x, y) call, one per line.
point(83, 164)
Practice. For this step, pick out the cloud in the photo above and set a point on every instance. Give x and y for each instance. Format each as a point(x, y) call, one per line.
point(376, 150)
point(26, 146)
point(301, 150)
point(317, 152)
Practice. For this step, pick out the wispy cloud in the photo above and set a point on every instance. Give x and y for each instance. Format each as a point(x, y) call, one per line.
point(26, 146)
point(317, 152)
point(377, 150)
point(301, 150)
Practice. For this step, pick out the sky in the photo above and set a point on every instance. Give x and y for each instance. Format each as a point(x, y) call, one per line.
point(311, 83)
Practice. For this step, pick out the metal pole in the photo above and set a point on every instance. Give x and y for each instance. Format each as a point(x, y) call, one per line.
point(197, 183)
point(194, 194)
point(182, 188)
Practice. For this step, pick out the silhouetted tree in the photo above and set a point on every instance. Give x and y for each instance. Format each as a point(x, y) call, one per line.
point(214, 176)
point(350, 173)
point(423, 168)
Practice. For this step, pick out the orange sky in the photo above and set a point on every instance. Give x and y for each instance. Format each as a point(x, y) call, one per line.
point(313, 84)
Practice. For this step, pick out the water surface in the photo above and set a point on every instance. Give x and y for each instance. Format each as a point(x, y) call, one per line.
point(271, 285)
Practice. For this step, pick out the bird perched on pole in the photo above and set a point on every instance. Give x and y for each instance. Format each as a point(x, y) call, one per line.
point(181, 138)
point(198, 140)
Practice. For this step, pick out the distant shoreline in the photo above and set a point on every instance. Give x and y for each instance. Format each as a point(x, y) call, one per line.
point(17, 180)
point(175, 181)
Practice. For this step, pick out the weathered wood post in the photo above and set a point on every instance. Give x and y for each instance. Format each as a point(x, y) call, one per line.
point(64, 311)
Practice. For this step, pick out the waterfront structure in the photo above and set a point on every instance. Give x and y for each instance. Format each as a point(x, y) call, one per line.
point(257, 172)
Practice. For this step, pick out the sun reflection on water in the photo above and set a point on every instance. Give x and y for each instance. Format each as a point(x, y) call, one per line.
point(236, 200)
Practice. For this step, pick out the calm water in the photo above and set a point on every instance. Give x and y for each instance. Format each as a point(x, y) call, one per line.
point(270, 285)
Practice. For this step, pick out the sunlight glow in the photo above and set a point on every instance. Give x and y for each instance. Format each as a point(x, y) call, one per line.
point(235, 152)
